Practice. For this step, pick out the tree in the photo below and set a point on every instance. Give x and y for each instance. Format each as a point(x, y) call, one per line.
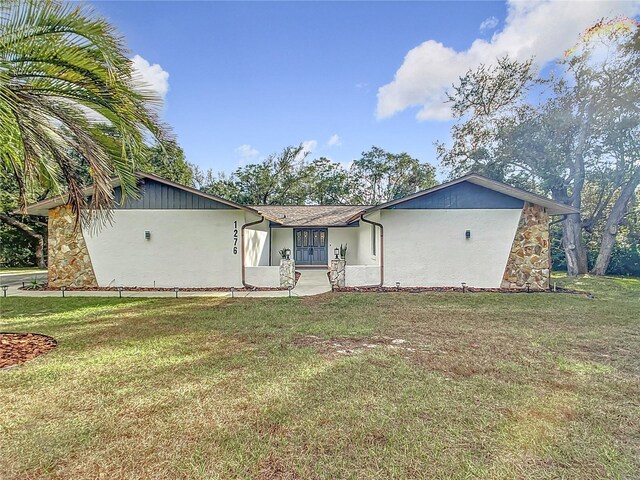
point(327, 182)
point(288, 179)
point(64, 70)
point(564, 136)
point(22, 239)
point(284, 179)
point(219, 184)
point(381, 176)
point(167, 161)
point(278, 179)
point(619, 120)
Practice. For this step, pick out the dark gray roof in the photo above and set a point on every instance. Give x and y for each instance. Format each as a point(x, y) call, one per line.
point(327, 215)
point(311, 215)
point(553, 207)
point(42, 207)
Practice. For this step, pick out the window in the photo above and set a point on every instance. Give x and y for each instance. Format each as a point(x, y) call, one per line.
point(373, 240)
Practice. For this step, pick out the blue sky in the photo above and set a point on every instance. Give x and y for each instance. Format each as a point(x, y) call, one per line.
point(246, 79)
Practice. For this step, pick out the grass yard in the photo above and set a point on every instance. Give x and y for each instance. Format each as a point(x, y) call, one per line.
point(339, 386)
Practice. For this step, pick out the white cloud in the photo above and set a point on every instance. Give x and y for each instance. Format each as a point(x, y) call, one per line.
point(309, 146)
point(544, 29)
point(152, 76)
point(334, 141)
point(489, 24)
point(246, 153)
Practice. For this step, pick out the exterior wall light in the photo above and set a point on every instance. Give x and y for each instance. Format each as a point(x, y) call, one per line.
point(336, 252)
point(147, 235)
point(467, 234)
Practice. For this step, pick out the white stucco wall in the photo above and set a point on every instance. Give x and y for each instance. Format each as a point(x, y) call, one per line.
point(345, 236)
point(429, 248)
point(361, 275)
point(188, 248)
point(256, 241)
point(365, 256)
point(280, 238)
point(263, 276)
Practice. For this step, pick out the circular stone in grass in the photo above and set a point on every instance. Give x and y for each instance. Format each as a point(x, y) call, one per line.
point(17, 348)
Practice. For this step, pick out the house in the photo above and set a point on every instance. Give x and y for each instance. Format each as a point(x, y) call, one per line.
point(473, 230)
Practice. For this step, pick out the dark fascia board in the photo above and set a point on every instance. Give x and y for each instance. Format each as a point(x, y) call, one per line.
point(42, 207)
point(554, 208)
point(346, 225)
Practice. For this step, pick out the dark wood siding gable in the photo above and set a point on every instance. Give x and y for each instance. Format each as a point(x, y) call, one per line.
point(462, 196)
point(158, 196)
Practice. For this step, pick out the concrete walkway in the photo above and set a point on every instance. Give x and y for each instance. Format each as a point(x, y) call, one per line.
point(311, 282)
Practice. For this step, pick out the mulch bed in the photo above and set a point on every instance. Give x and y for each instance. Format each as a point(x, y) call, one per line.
point(160, 289)
point(454, 289)
point(17, 348)
point(163, 289)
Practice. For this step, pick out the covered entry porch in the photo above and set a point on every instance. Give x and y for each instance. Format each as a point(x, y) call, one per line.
point(313, 246)
point(312, 235)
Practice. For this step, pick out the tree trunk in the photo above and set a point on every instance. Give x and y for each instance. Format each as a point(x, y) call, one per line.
point(574, 248)
point(30, 232)
point(573, 245)
point(613, 221)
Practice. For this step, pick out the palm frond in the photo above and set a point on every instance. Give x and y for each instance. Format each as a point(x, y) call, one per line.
point(63, 71)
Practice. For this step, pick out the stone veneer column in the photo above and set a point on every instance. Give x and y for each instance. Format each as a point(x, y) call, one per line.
point(287, 273)
point(529, 260)
point(69, 260)
point(337, 273)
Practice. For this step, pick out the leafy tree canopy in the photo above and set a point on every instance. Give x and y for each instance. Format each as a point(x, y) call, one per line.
point(574, 136)
point(289, 179)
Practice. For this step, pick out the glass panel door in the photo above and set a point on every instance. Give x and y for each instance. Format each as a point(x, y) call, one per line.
point(311, 246)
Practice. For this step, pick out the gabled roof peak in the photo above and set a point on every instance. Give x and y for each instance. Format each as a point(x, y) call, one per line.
point(42, 207)
point(553, 207)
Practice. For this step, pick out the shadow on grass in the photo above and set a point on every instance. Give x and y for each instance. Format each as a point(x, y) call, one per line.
point(212, 387)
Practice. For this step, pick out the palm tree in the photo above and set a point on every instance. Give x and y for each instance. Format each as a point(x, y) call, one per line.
point(64, 74)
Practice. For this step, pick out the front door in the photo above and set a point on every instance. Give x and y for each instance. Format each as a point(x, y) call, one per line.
point(311, 246)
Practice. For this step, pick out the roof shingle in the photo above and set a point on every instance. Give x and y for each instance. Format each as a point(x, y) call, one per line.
point(310, 215)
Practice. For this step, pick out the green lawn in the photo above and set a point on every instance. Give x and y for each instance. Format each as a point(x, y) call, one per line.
point(483, 386)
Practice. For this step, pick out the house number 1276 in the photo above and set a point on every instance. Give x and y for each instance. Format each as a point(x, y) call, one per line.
point(235, 238)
